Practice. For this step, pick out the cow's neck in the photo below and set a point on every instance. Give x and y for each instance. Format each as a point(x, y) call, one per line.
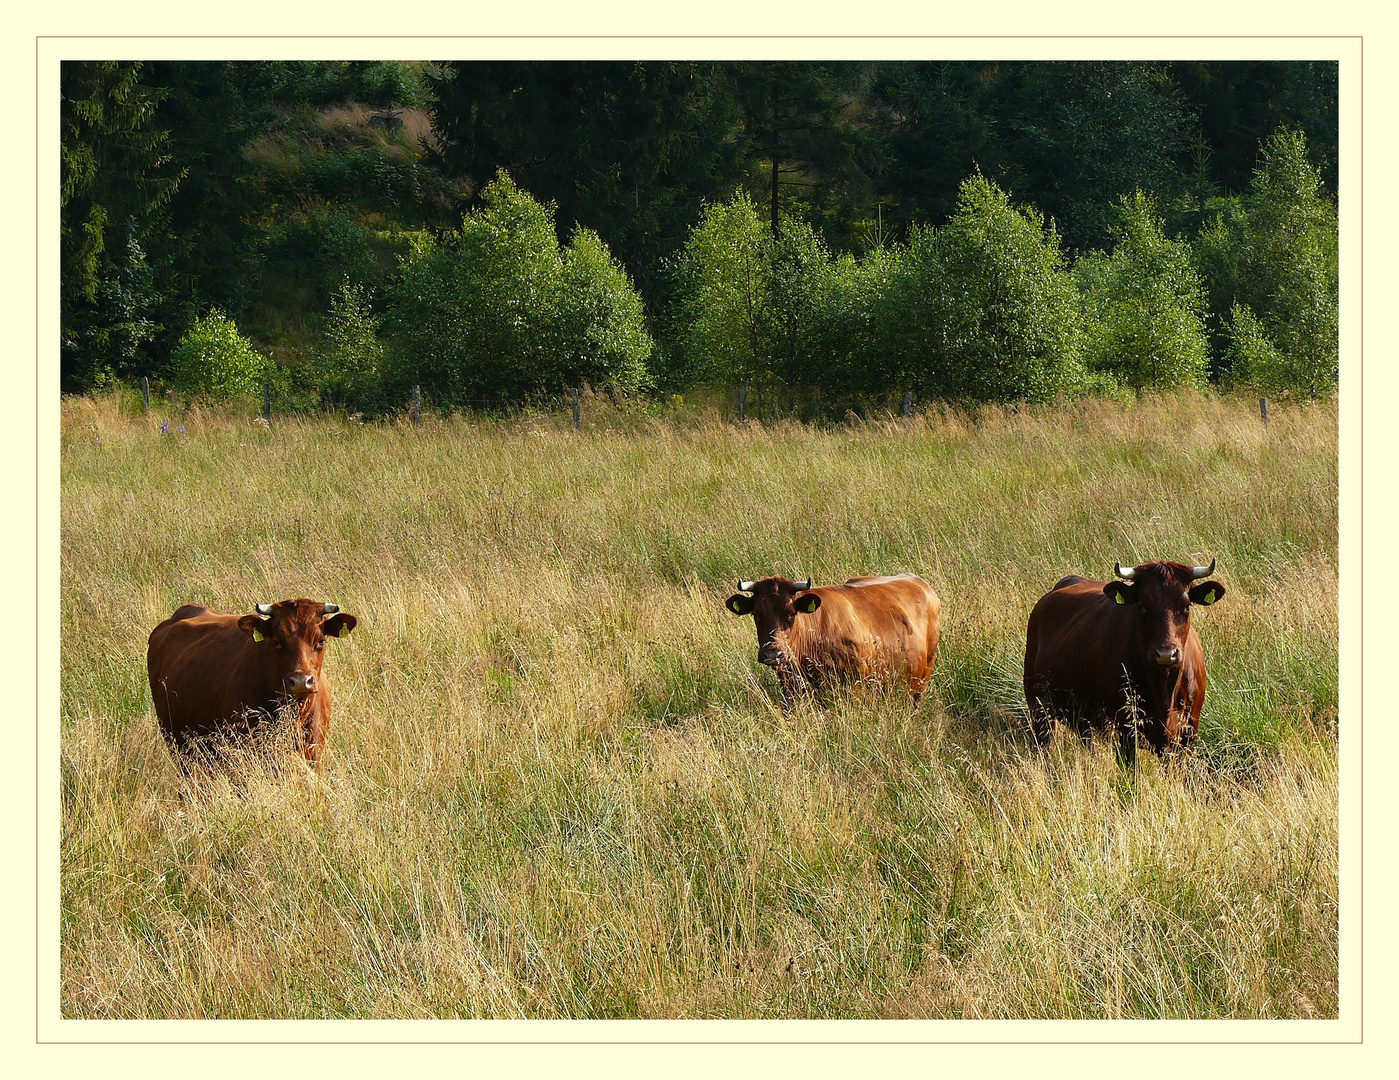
point(1155, 688)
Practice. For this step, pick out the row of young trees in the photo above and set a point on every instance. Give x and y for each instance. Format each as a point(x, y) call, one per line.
point(986, 308)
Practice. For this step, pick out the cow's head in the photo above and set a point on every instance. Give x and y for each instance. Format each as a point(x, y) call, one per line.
point(294, 633)
point(1161, 593)
point(775, 603)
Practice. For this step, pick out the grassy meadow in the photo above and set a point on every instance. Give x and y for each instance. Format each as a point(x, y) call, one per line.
point(559, 784)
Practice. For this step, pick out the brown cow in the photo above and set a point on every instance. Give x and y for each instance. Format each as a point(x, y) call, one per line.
point(869, 628)
point(213, 674)
point(1121, 655)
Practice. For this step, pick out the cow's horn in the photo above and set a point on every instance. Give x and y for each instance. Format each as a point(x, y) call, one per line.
point(746, 586)
point(263, 609)
point(329, 609)
point(803, 584)
point(1197, 572)
point(1126, 573)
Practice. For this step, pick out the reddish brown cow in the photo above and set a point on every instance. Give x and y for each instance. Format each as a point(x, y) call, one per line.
point(213, 674)
point(1121, 655)
point(870, 628)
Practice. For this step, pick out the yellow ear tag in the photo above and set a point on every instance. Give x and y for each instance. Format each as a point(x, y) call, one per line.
point(344, 631)
point(259, 636)
point(1209, 597)
point(1118, 597)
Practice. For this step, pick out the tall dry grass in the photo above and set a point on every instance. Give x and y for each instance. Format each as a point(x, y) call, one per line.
point(559, 784)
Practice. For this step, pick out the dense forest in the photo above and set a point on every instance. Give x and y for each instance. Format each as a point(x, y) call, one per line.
point(497, 231)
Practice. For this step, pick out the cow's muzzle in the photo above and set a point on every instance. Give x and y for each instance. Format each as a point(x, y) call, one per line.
point(770, 657)
point(301, 686)
point(1166, 655)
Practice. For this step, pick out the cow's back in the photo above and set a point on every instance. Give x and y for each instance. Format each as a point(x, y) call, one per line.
point(873, 625)
point(1070, 648)
point(199, 665)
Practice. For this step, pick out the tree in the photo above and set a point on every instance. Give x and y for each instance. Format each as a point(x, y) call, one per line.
point(984, 308)
point(497, 310)
point(116, 178)
point(807, 121)
point(1241, 103)
point(1145, 304)
point(216, 361)
point(351, 362)
point(1276, 256)
point(628, 149)
point(1083, 134)
point(723, 284)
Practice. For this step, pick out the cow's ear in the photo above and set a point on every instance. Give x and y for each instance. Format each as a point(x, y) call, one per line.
point(254, 626)
point(339, 625)
point(806, 603)
point(739, 604)
point(1206, 592)
point(1119, 592)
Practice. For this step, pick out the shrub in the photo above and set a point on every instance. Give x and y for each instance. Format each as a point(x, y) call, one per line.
point(1276, 256)
point(852, 325)
point(1144, 304)
point(777, 313)
point(602, 334)
point(214, 360)
point(348, 368)
point(498, 310)
point(724, 281)
point(984, 308)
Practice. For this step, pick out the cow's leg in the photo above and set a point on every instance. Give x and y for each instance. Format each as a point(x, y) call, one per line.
point(1041, 722)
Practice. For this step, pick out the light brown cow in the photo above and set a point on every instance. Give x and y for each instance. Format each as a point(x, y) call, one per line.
point(213, 674)
point(869, 629)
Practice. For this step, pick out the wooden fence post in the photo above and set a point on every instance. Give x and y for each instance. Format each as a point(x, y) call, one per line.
point(146, 392)
point(267, 402)
point(417, 405)
point(742, 403)
point(1263, 409)
point(577, 419)
point(908, 404)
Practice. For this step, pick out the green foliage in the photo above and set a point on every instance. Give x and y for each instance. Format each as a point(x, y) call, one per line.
point(765, 312)
point(984, 308)
point(1276, 255)
point(724, 281)
point(375, 82)
point(854, 357)
point(111, 342)
point(351, 362)
point(195, 184)
point(498, 310)
point(602, 333)
point(1145, 304)
point(792, 321)
point(115, 180)
point(215, 361)
point(1241, 103)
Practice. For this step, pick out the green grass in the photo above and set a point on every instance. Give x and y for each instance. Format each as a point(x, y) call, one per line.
point(559, 784)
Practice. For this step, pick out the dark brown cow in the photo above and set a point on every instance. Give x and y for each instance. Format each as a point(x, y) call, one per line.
point(870, 628)
point(1121, 654)
point(213, 674)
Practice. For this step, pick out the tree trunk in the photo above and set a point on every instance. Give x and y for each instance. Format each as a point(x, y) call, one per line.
point(774, 198)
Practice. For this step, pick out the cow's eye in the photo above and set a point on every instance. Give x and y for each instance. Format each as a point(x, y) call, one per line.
point(320, 645)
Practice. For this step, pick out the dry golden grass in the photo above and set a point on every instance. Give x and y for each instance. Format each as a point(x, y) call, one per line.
point(559, 784)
